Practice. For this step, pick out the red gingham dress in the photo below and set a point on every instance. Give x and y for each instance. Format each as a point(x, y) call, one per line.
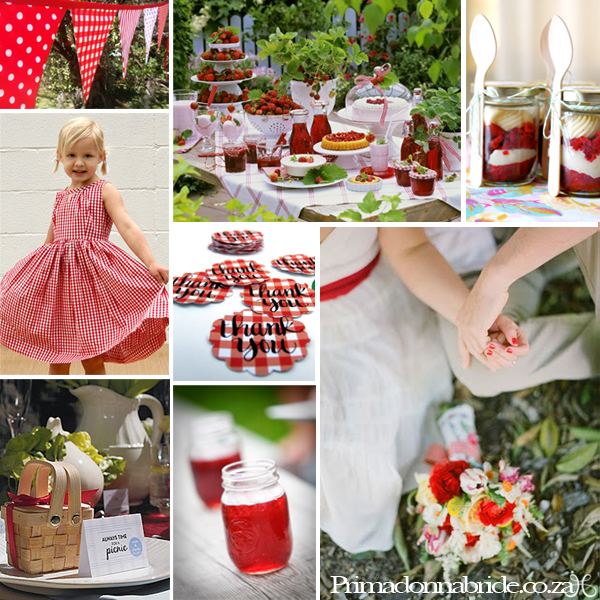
point(82, 296)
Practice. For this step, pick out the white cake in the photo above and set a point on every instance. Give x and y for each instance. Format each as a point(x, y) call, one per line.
point(370, 108)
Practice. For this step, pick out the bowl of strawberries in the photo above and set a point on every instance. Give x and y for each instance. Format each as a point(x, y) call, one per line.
point(225, 38)
point(270, 113)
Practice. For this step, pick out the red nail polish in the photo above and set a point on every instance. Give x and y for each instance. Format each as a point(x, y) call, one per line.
point(515, 341)
point(509, 350)
point(491, 346)
point(489, 353)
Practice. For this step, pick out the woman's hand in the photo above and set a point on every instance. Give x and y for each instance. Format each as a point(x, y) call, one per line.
point(160, 273)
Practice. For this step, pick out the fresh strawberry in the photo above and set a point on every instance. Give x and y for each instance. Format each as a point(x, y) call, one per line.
point(234, 39)
point(273, 177)
point(231, 108)
point(370, 138)
point(303, 159)
point(318, 180)
point(194, 106)
point(181, 142)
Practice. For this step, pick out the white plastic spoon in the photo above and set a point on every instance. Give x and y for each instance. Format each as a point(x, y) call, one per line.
point(561, 51)
point(545, 50)
point(483, 49)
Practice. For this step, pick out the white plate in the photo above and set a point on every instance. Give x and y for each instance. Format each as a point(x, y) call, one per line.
point(225, 46)
point(211, 83)
point(223, 105)
point(224, 63)
point(61, 583)
point(318, 148)
point(298, 185)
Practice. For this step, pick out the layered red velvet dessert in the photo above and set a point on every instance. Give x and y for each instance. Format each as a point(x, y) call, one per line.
point(580, 159)
point(509, 145)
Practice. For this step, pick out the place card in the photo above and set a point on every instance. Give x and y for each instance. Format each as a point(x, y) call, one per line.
point(112, 545)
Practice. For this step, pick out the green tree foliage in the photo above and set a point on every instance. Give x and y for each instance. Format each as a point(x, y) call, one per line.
point(183, 47)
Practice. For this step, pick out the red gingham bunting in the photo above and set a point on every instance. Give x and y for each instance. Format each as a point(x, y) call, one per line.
point(238, 272)
point(238, 237)
point(258, 344)
point(128, 20)
point(150, 15)
point(91, 27)
point(26, 36)
point(163, 11)
point(280, 297)
point(195, 288)
point(295, 263)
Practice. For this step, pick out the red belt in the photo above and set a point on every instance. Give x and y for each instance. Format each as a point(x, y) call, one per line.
point(342, 287)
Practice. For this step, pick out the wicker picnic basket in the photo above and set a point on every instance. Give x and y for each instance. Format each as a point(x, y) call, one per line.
point(45, 537)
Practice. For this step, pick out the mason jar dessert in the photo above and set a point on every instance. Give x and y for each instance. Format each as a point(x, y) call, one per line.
point(510, 140)
point(580, 149)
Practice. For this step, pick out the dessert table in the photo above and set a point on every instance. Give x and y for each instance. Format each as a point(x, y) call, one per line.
point(202, 568)
point(324, 204)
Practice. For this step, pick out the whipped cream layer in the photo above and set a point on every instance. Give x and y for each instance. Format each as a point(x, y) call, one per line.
point(581, 126)
point(507, 119)
point(500, 158)
point(576, 161)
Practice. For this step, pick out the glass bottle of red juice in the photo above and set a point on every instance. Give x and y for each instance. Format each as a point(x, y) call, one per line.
point(320, 126)
point(409, 146)
point(300, 142)
point(215, 445)
point(256, 517)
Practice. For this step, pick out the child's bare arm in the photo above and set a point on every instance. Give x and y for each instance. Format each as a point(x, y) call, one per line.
point(131, 233)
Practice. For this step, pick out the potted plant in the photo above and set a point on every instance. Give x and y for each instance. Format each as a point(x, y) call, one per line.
point(441, 111)
point(312, 65)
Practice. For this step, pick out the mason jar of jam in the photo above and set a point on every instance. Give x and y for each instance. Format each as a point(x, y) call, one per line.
point(300, 142)
point(320, 125)
point(256, 517)
point(510, 140)
point(580, 144)
point(215, 445)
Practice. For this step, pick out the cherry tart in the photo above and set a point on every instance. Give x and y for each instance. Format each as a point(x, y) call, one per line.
point(346, 140)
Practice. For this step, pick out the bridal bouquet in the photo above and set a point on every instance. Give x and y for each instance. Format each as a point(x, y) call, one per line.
point(473, 514)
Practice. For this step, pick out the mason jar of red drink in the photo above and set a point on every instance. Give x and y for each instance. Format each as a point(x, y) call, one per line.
point(252, 140)
point(215, 445)
point(235, 157)
point(256, 517)
point(300, 142)
point(510, 140)
point(320, 125)
point(580, 151)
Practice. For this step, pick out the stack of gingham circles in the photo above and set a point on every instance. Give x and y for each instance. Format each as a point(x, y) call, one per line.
point(236, 242)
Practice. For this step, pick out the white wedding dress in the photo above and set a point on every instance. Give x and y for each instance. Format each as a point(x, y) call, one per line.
point(382, 365)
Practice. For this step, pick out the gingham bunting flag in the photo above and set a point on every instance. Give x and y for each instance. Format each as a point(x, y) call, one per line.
point(163, 11)
point(26, 36)
point(280, 297)
point(195, 288)
point(238, 272)
point(258, 344)
point(91, 27)
point(150, 15)
point(295, 263)
point(128, 20)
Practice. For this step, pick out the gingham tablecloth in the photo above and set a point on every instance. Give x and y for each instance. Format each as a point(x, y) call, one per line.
point(254, 187)
point(528, 203)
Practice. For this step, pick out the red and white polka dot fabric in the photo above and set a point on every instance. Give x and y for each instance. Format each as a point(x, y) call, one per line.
point(163, 11)
point(128, 20)
point(26, 36)
point(150, 15)
point(82, 296)
point(91, 27)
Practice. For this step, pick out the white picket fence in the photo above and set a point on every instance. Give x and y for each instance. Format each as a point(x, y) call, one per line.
point(249, 46)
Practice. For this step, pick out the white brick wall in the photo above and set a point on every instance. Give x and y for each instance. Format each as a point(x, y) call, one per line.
point(140, 152)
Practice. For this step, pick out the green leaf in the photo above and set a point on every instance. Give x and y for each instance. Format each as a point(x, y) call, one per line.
point(549, 436)
point(577, 459)
point(496, 498)
point(400, 545)
point(587, 434)
point(426, 9)
point(353, 215)
point(329, 173)
point(369, 203)
point(57, 450)
point(434, 71)
point(398, 216)
point(255, 94)
point(452, 69)
point(374, 16)
point(528, 436)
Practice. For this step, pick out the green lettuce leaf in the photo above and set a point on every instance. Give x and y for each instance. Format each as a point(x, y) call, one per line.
point(329, 173)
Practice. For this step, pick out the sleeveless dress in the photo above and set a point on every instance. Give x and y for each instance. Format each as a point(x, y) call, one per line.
point(81, 296)
point(382, 365)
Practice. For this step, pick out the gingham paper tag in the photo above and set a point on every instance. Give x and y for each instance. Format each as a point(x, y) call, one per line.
point(238, 272)
point(237, 237)
point(195, 288)
point(295, 263)
point(258, 344)
point(280, 297)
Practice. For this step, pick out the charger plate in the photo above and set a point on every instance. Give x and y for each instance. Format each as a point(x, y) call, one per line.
point(64, 582)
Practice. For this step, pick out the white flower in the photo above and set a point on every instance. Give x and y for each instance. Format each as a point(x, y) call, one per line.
point(510, 491)
point(435, 540)
point(435, 514)
point(424, 494)
point(473, 481)
point(489, 545)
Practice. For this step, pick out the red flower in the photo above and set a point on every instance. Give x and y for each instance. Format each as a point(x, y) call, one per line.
point(372, 54)
point(371, 38)
point(391, 18)
point(445, 479)
point(491, 514)
point(351, 41)
point(447, 527)
point(471, 540)
point(385, 56)
point(360, 18)
point(516, 528)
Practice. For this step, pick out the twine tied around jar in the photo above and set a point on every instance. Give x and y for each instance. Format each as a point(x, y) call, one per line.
point(363, 80)
point(557, 99)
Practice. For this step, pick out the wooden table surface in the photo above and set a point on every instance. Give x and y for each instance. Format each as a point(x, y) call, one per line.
point(202, 568)
point(436, 210)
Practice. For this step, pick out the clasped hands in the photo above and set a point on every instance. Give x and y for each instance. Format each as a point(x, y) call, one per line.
point(484, 332)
